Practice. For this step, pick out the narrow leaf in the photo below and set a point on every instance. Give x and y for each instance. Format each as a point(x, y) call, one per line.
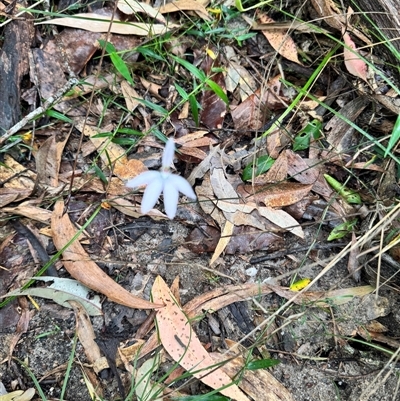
point(262, 364)
point(394, 137)
point(183, 345)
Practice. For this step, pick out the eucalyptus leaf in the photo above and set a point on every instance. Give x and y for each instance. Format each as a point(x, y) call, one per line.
point(61, 291)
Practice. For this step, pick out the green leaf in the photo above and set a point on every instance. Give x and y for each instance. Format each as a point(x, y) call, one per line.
point(342, 230)
point(192, 69)
point(262, 164)
point(145, 51)
point(129, 131)
point(124, 142)
point(195, 109)
point(117, 61)
point(239, 6)
point(262, 364)
point(348, 195)
point(58, 116)
point(181, 92)
point(98, 171)
point(218, 91)
point(394, 137)
point(310, 133)
point(159, 109)
point(121, 67)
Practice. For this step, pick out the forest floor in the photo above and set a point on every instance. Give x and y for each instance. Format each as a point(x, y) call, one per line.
point(281, 276)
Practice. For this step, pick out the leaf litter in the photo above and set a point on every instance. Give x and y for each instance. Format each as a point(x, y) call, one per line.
point(233, 219)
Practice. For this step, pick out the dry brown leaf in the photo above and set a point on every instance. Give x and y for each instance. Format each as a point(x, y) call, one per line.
point(22, 325)
point(278, 217)
point(48, 159)
point(236, 75)
point(278, 171)
point(186, 5)
point(280, 40)
point(301, 171)
point(86, 335)
point(374, 336)
point(26, 209)
point(183, 345)
point(275, 195)
point(9, 195)
point(129, 7)
point(226, 235)
point(130, 96)
point(128, 208)
point(151, 87)
point(94, 23)
point(15, 175)
point(252, 114)
point(354, 64)
point(92, 83)
point(79, 265)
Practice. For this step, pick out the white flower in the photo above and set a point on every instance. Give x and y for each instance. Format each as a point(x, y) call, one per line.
point(163, 181)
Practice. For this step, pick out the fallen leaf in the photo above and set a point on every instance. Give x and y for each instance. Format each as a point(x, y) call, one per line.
point(79, 265)
point(340, 134)
point(278, 217)
point(130, 7)
point(354, 64)
point(275, 195)
point(86, 335)
point(279, 40)
point(182, 344)
point(15, 175)
point(94, 23)
point(48, 159)
point(145, 388)
point(32, 212)
point(62, 291)
point(186, 5)
point(277, 172)
point(236, 75)
point(226, 235)
point(130, 96)
point(9, 195)
point(221, 297)
point(252, 114)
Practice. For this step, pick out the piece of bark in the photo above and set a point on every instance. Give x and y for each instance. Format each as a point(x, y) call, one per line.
point(18, 38)
point(386, 15)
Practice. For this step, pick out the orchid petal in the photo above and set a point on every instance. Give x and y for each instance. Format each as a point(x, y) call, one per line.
point(171, 196)
point(143, 179)
point(152, 193)
point(181, 185)
point(169, 153)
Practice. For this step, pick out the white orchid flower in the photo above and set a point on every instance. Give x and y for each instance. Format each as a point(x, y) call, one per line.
point(163, 181)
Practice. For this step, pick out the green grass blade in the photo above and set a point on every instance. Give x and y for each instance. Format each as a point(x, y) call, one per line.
point(394, 137)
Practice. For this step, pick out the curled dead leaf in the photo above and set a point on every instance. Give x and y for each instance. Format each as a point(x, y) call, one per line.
point(79, 265)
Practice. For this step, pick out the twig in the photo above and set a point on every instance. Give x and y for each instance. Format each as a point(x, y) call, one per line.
point(40, 110)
